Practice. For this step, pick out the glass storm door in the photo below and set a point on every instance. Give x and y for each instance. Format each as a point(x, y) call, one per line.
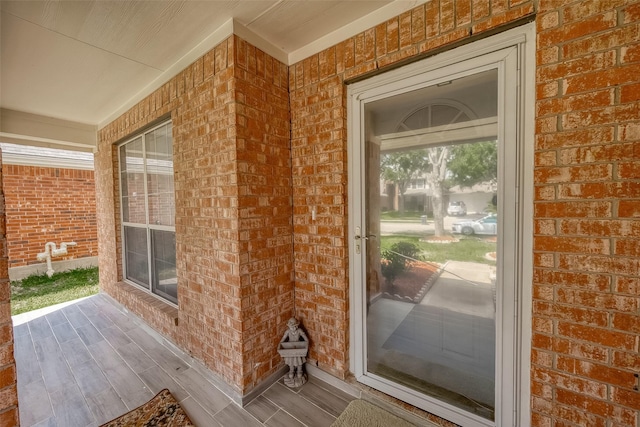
point(433, 193)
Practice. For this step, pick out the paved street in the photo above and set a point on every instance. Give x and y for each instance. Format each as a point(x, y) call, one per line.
point(392, 227)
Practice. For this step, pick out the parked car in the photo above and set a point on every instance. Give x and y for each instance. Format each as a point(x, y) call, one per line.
point(486, 225)
point(457, 208)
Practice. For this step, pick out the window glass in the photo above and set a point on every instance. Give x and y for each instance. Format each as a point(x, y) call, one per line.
point(136, 255)
point(165, 281)
point(148, 212)
point(430, 287)
point(132, 180)
point(159, 155)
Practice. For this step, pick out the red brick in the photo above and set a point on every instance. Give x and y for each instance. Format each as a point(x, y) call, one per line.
point(600, 336)
point(575, 103)
point(547, 90)
point(599, 190)
point(630, 93)
point(540, 420)
point(583, 9)
point(600, 61)
point(596, 209)
point(596, 372)
point(600, 116)
point(480, 8)
point(585, 410)
point(569, 382)
point(542, 358)
point(626, 322)
point(578, 29)
point(545, 227)
point(574, 314)
point(599, 153)
point(547, 21)
point(598, 263)
point(573, 279)
point(393, 35)
point(545, 193)
point(601, 79)
point(463, 12)
point(629, 208)
point(594, 228)
point(631, 13)
point(630, 54)
point(447, 16)
point(544, 260)
point(542, 325)
point(571, 244)
point(627, 285)
point(432, 14)
point(625, 397)
point(573, 174)
point(418, 24)
point(547, 56)
point(581, 350)
point(545, 158)
point(7, 376)
point(600, 42)
point(543, 293)
point(626, 360)
point(405, 30)
point(630, 132)
point(10, 417)
point(627, 247)
point(579, 137)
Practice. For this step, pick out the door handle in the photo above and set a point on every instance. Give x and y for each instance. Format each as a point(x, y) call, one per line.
point(367, 237)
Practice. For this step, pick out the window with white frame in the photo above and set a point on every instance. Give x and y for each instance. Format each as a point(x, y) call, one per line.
point(148, 212)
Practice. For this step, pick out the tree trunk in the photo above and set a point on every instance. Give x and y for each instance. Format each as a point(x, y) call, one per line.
point(438, 157)
point(438, 208)
point(401, 190)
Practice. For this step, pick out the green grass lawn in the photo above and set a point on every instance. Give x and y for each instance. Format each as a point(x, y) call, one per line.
point(34, 292)
point(472, 249)
point(406, 216)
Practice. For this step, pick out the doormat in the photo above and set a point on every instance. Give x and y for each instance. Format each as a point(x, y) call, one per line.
point(161, 411)
point(363, 414)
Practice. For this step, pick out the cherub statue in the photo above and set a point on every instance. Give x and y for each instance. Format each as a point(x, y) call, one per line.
point(295, 355)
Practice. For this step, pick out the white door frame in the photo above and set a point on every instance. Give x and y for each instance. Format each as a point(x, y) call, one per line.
point(512, 53)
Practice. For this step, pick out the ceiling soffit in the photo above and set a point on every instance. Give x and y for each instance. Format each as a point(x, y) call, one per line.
point(89, 61)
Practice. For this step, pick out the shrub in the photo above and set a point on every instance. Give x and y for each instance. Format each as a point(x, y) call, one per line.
point(395, 260)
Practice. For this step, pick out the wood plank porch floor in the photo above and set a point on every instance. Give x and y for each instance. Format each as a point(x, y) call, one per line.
point(89, 362)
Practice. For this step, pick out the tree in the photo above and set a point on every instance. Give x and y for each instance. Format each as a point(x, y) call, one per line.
point(436, 179)
point(464, 165)
point(474, 163)
point(443, 167)
point(401, 167)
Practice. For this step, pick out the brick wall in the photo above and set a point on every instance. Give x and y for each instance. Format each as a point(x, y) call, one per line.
point(232, 176)
point(264, 207)
point(49, 205)
point(587, 204)
point(587, 192)
point(319, 146)
point(585, 320)
point(8, 380)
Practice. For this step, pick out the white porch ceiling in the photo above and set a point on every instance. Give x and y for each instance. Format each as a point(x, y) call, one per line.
point(87, 61)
